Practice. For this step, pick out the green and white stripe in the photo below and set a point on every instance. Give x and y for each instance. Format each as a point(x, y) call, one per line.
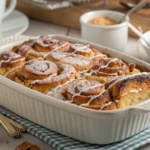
point(61, 142)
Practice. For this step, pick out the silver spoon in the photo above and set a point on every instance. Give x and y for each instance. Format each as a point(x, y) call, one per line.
point(136, 7)
point(129, 5)
point(137, 32)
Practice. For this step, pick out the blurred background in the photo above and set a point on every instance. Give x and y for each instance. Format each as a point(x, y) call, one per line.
point(66, 13)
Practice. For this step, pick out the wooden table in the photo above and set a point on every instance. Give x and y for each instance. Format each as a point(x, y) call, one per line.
point(41, 28)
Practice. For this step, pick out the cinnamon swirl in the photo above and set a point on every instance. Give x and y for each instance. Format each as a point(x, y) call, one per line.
point(88, 94)
point(9, 60)
point(46, 44)
point(65, 73)
point(84, 50)
point(107, 69)
point(81, 91)
point(31, 71)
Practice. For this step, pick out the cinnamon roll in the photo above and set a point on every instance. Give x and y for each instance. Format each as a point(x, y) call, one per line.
point(79, 62)
point(26, 50)
point(65, 73)
point(107, 69)
point(31, 71)
point(88, 94)
point(101, 102)
point(9, 60)
point(84, 93)
point(46, 44)
point(84, 50)
point(81, 91)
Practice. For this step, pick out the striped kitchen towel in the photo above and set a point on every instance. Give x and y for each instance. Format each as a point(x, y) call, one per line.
point(61, 142)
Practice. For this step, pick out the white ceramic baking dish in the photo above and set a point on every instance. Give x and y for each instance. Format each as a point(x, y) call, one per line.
point(99, 127)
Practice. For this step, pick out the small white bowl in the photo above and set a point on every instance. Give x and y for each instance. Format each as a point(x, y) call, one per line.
point(114, 36)
point(143, 44)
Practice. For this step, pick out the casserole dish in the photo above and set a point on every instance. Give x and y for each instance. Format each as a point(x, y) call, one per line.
point(104, 127)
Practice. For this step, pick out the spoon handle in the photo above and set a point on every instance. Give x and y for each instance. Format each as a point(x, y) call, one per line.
point(136, 7)
point(10, 129)
point(138, 33)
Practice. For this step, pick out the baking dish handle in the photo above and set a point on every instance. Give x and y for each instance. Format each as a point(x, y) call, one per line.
point(144, 108)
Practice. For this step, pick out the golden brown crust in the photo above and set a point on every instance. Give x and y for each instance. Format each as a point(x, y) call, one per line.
point(130, 85)
point(9, 60)
point(132, 82)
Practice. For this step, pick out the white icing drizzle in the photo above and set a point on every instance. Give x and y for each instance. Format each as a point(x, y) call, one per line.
point(105, 105)
point(56, 88)
point(107, 64)
point(47, 41)
point(81, 48)
point(117, 101)
point(91, 71)
point(128, 77)
point(67, 72)
point(11, 70)
point(10, 57)
point(99, 55)
point(89, 86)
point(91, 99)
point(132, 91)
point(61, 46)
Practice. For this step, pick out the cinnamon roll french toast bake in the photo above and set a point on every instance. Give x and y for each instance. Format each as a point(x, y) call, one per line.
point(76, 73)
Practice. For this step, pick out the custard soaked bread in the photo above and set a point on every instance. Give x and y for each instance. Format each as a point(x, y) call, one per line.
point(76, 73)
point(131, 90)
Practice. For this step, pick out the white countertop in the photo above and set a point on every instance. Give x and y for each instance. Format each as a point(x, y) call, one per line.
point(41, 28)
